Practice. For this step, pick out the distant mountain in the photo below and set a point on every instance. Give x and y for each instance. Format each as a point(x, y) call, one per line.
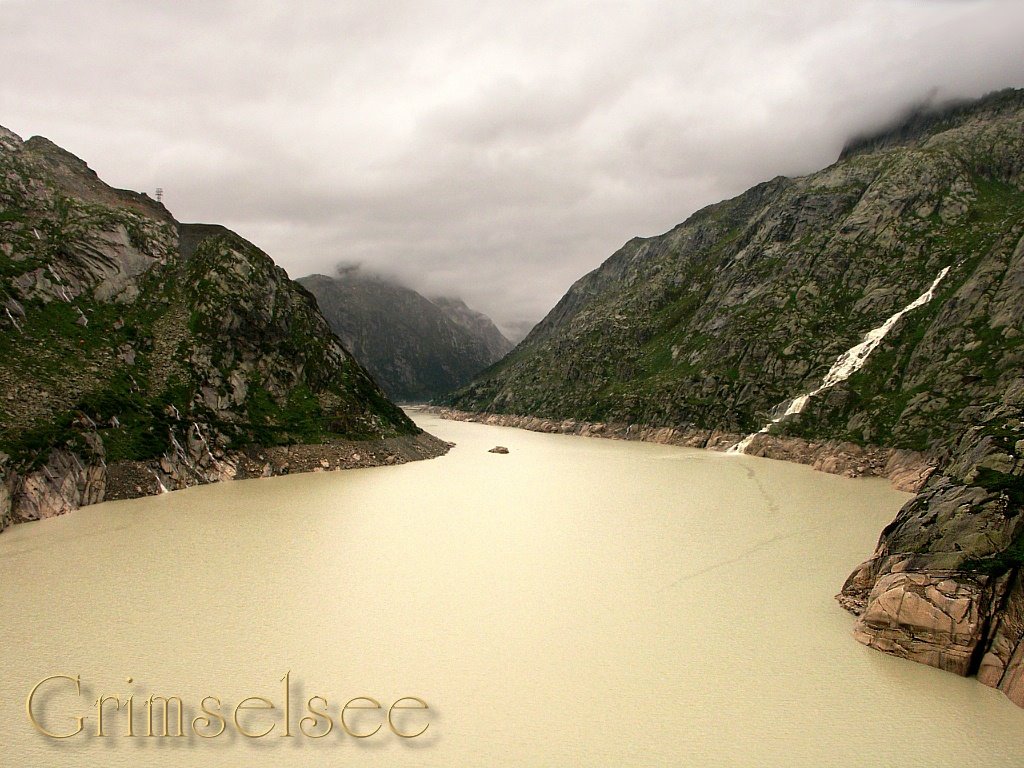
point(477, 323)
point(416, 348)
point(875, 304)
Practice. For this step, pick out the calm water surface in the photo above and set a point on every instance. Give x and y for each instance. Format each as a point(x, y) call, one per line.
point(576, 602)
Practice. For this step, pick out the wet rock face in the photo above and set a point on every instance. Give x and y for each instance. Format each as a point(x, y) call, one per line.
point(62, 485)
point(6, 512)
point(965, 623)
point(127, 339)
point(933, 618)
point(1002, 666)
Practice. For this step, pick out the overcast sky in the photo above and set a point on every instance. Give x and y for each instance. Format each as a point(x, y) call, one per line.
point(492, 150)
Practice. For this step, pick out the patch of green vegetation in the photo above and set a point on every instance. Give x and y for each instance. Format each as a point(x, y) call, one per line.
point(31, 447)
point(1011, 486)
point(994, 202)
point(144, 423)
point(988, 359)
point(998, 564)
point(298, 420)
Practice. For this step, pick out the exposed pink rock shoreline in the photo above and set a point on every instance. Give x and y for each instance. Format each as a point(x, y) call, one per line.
point(906, 470)
point(67, 482)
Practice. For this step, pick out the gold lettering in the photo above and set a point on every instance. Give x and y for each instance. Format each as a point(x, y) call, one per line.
point(31, 714)
point(375, 705)
point(131, 712)
point(181, 722)
point(317, 714)
point(206, 721)
point(287, 704)
point(267, 704)
point(99, 711)
point(420, 704)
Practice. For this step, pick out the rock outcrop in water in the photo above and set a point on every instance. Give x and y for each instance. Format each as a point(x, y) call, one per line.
point(139, 355)
point(944, 584)
point(719, 326)
point(416, 348)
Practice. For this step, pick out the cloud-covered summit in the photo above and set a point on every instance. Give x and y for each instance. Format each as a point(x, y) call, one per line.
point(488, 150)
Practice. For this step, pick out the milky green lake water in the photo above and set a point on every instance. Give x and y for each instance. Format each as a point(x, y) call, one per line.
point(576, 602)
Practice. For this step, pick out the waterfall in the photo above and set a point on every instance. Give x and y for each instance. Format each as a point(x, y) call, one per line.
point(792, 406)
point(848, 363)
point(15, 322)
point(183, 455)
point(159, 482)
point(206, 447)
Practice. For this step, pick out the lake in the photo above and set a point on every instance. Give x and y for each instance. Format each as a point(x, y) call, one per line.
point(578, 601)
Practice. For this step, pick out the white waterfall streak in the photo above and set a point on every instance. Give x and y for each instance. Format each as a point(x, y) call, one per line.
point(159, 482)
point(792, 406)
point(848, 363)
point(183, 455)
point(206, 447)
point(11, 318)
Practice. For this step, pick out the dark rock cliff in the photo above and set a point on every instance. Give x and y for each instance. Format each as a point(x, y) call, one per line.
point(493, 341)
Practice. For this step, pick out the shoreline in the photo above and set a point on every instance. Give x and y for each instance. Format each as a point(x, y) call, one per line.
point(66, 483)
point(906, 470)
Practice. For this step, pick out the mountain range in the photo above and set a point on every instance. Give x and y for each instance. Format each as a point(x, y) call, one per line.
point(867, 319)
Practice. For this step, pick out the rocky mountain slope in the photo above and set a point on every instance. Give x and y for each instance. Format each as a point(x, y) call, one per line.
point(138, 354)
point(416, 348)
point(478, 324)
point(717, 328)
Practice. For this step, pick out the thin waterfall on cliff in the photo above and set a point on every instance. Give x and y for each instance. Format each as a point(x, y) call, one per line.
point(848, 363)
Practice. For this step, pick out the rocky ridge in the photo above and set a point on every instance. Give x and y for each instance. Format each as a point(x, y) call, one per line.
point(714, 327)
point(477, 323)
point(139, 355)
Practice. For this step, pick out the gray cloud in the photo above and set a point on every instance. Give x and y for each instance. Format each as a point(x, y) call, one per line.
point(492, 150)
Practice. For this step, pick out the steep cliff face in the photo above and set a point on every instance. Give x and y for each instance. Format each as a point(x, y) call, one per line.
point(137, 354)
point(415, 348)
point(722, 323)
point(495, 345)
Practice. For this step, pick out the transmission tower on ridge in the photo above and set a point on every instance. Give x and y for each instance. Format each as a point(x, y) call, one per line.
point(159, 194)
